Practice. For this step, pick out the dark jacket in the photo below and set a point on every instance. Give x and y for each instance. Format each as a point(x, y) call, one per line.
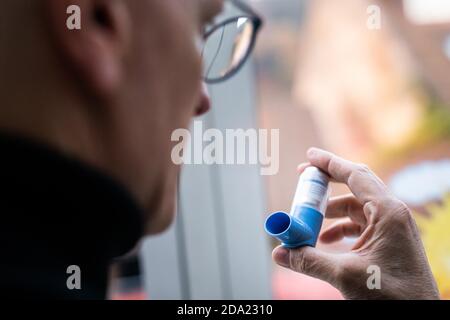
point(57, 212)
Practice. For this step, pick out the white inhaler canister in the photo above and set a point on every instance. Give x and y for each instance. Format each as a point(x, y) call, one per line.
point(301, 227)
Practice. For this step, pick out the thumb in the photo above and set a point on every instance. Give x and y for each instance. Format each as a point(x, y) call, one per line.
point(309, 261)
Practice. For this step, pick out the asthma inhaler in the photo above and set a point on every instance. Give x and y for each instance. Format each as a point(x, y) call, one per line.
point(302, 226)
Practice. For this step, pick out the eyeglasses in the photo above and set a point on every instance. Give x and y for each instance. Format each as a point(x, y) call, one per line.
point(229, 44)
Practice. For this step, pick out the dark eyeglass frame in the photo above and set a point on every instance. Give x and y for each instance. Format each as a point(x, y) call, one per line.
point(257, 22)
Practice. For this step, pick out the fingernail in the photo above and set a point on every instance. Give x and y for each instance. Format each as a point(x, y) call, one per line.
point(312, 152)
point(281, 256)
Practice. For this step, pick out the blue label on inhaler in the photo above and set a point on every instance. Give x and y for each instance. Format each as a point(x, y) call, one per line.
point(302, 226)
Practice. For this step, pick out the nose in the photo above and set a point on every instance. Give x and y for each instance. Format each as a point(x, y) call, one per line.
point(204, 104)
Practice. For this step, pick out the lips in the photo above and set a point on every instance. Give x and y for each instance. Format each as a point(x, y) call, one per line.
point(205, 101)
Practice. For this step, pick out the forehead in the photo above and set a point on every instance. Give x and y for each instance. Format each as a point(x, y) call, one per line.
point(213, 6)
point(201, 6)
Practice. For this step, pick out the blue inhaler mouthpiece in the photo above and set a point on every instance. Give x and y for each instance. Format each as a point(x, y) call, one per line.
point(302, 226)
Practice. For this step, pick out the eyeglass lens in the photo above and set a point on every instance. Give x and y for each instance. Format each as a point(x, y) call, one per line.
point(226, 48)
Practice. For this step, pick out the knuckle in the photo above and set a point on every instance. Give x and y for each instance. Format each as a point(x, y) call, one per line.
point(402, 215)
point(399, 213)
point(402, 208)
point(374, 210)
point(300, 262)
point(359, 172)
point(363, 169)
point(334, 165)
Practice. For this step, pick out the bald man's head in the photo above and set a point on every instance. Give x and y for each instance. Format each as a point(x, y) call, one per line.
point(110, 93)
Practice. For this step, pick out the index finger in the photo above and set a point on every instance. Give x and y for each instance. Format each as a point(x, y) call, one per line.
point(363, 183)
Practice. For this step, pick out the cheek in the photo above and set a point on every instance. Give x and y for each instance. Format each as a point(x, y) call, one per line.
point(185, 78)
point(163, 86)
point(175, 61)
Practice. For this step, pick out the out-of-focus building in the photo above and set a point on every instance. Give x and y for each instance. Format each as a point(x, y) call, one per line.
point(372, 86)
point(424, 27)
point(361, 83)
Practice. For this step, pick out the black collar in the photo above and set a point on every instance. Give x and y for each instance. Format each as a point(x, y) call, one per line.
point(56, 212)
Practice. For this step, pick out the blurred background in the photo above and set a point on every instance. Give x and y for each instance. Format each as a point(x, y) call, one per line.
point(324, 78)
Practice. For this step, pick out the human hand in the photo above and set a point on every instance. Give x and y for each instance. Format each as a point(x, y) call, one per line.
point(388, 239)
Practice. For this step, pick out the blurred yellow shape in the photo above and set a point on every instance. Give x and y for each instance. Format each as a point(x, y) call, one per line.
point(436, 238)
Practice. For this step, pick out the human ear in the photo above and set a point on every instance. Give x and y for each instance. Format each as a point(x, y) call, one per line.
point(92, 37)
